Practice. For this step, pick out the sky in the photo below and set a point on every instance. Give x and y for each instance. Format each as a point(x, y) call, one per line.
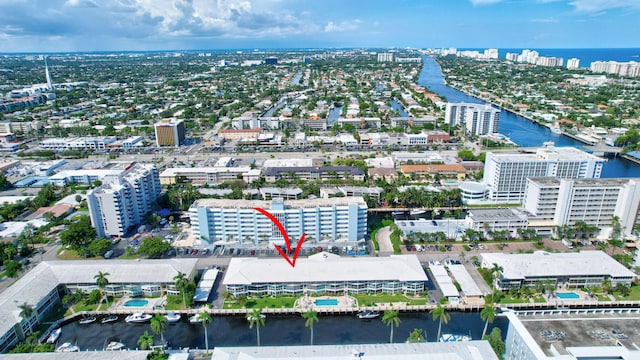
point(112, 25)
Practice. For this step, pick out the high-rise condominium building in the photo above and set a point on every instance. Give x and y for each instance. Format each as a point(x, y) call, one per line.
point(333, 219)
point(120, 203)
point(594, 201)
point(506, 173)
point(573, 63)
point(170, 132)
point(385, 57)
point(478, 119)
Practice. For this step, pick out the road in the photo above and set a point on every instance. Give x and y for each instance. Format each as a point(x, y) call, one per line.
point(383, 236)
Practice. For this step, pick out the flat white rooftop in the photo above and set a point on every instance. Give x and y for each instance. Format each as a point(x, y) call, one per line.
point(323, 267)
point(467, 350)
point(541, 263)
point(548, 154)
point(304, 203)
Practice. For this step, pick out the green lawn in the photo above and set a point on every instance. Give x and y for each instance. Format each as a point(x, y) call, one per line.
point(79, 307)
point(634, 295)
point(369, 300)
point(261, 303)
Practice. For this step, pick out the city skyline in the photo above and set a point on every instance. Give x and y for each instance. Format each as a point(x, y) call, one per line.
point(136, 25)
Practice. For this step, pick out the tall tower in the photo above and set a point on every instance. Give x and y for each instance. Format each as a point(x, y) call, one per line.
point(47, 75)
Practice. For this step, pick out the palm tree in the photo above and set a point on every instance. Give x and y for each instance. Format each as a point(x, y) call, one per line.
point(487, 314)
point(256, 318)
point(102, 281)
point(26, 312)
point(181, 282)
point(205, 319)
point(145, 341)
point(440, 313)
point(496, 270)
point(391, 319)
point(311, 317)
point(159, 325)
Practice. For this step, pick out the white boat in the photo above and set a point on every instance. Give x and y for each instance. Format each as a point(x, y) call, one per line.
point(55, 334)
point(454, 338)
point(194, 319)
point(172, 318)
point(115, 345)
point(556, 130)
point(138, 318)
point(87, 320)
point(417, 212)
point(368, 314)
point(67, 347)
point(108, 319)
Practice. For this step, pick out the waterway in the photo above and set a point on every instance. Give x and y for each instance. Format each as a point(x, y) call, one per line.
point(278, 330)
point(397, 106)
point(522, 131)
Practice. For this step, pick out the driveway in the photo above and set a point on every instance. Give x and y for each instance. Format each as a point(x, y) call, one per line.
point(383, 236)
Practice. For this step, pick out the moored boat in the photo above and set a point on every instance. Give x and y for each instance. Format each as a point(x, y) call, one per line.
point(454, 338)
point(172, 318)
point(194, 319)
point(87, 320)
point(115, 345)
point(138, 318)
point(55, 334)
point(417, 212)
point(67, 347)
point(368, 314)
point(108, 319)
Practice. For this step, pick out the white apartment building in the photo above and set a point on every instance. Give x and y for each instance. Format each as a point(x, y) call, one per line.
point(385, 57)
point(80, 143)
point(630, 68)
point(208, 175)
point(506, 173)
point(334, 219)
point(594, 201)
point(122, 200)
point(572, 334)
point(477, 119)
point(573, 63)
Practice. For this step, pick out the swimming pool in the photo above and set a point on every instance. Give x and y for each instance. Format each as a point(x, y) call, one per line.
point(136, 303)
point(326, 302)
point(568, 295)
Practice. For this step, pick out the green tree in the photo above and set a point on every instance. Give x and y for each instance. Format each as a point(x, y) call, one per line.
point(99, 247)
point(182, 282)
point(4, 183)
point(26, 312)
point(416, 336)
point(79, 233)
point(495, 339)
point(102, 282)
point(488, 314)
point(391, 318)
point(310, 317)
point(145, 341)
point(153, 247)
point(257, 319)
point(440, 313)
point(159, 326)
point(12, 268)
point(205, 319)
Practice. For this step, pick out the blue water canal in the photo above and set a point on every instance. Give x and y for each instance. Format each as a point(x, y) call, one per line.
point(522, 131)
point(278, 330)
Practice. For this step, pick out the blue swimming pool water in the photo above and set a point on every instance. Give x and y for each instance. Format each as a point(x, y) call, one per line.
point(136, 303)
point(326, 302)
point(567, 295)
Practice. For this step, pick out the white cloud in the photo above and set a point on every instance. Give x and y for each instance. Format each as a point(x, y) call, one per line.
point(599, 5)
point(484, 2)
point(342, 26)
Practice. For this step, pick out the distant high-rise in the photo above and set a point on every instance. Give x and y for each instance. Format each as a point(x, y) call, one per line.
point(573, 63)
point(48, 75)
point(383, 57)
point(169, 132)
point(478, 119)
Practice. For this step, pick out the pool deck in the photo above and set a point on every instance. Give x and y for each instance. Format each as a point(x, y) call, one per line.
point(152, 304)
point(309, 303)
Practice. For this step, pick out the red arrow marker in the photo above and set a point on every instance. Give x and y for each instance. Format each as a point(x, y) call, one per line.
point(286, 238)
